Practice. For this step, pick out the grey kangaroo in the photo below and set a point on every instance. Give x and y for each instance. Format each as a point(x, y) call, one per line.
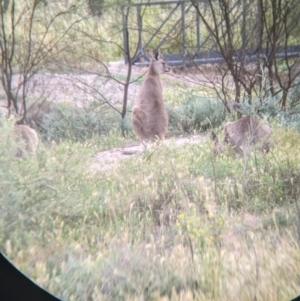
point(149, 115)
point(244, 130)
point(27, 140)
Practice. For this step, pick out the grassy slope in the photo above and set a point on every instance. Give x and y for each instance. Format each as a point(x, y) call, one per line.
point(171, 222)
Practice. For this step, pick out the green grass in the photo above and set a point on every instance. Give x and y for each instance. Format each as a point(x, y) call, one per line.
point(174, 222)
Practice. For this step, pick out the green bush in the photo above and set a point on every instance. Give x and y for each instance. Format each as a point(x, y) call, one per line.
point(270, 106)
point(291, 116)
point(196, 113)
point(67, 122)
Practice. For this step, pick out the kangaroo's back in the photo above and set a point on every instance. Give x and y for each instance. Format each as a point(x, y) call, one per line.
point(250, 128)
point(26, 138)
point(149, 115)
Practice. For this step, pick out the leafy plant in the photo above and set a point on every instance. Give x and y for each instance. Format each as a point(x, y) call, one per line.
point(196, 113)
point(67, 122)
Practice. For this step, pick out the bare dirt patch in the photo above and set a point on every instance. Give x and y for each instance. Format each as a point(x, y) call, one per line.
point(110, 158)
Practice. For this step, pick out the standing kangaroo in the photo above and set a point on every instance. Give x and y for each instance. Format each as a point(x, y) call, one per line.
point(244, 130)
point(149, 115)
point(27, 140)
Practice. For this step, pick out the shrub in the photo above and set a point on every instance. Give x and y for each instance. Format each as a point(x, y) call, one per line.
point(291, 116)
point(196, 113)
point(67, 122)
point(269, 107)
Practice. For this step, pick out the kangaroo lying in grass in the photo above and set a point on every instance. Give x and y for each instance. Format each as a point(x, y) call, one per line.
point(149, 115)
point(27, 140)
point(246, 130)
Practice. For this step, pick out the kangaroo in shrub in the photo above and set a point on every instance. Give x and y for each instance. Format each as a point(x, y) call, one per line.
point(27, 140)
point(244, 130)
point(149, 115)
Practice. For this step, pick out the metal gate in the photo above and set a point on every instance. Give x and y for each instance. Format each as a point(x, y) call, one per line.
point(182, 16)
point(174, 18)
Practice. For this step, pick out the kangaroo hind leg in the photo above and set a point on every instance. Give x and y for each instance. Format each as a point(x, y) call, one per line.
point(138, 121)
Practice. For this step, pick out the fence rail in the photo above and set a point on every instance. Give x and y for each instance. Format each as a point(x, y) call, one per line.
point(212, 57)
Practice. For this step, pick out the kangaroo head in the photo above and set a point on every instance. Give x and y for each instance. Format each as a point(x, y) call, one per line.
point(157, 64)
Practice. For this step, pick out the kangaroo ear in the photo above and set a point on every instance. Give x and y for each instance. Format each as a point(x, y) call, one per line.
point(149, 54)
point(153, 54)
point(156, 54)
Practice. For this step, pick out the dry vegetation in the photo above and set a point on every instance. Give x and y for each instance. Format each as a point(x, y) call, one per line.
point(172, 222)
point(95, 218)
